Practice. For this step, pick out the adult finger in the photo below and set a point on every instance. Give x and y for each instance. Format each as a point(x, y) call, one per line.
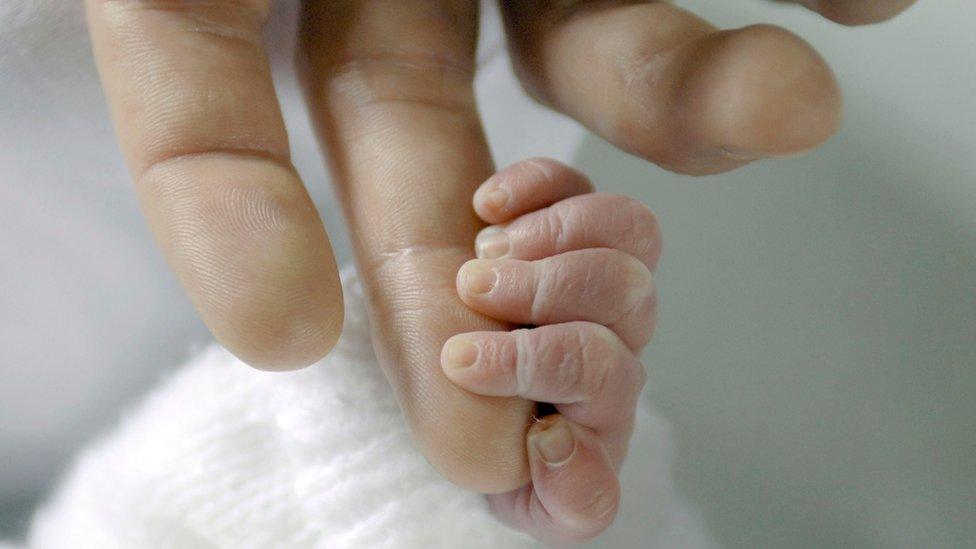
point(661, 83)
point(857, 12)
point(189, 88)
point(390, 84)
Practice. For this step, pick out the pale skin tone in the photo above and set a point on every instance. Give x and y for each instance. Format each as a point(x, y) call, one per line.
point(389, 84)
point(577, 267)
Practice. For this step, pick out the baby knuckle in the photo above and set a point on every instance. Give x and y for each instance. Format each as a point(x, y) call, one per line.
point(641, 218)
point(634, 275)
point(544, 171)
point(552, 278)
point(558, 225)
point(602, 505)
point(596, 513)
point(596, 342)
point(527, 344)
point(598, 367)
point(638, 226)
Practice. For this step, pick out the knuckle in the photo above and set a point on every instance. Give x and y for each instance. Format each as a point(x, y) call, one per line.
point(393, 80)
point(422, 78)
point(598, 354)
point(637, 225)
point(608, 364)
point(634, 273)
point(557, 225)
point(644, 317)
point(549, 280)
point(543, 171)
point(596, 342)
point(555, 176)
point(527, 344)
point(595, 514)
point(602, 506)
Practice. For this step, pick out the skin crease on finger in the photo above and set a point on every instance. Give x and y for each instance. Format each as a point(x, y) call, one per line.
point(191, 96)
point(665, 85)
point(390, 84)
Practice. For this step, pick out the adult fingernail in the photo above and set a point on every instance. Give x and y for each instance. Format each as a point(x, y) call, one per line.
point(460, 353)
point(745, 154)
point(554, 442)
point(478, 278)
point(494, 246)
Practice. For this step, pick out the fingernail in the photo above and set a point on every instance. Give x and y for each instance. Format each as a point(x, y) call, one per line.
point(736, 153)
point(479, 278)
point(494, 246)
point(461, 354)
point(744, 154)
point(496, 198)
point(555, 442)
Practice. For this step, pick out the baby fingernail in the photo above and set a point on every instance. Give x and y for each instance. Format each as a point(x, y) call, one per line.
point(555, 442)
point(496, 198)
point(460, 354)
point(478, 278)
point(494, 246)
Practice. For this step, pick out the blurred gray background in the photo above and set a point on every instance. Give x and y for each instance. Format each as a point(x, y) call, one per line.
point(817, 344)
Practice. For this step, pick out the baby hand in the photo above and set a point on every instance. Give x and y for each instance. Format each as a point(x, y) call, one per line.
point(575, 267)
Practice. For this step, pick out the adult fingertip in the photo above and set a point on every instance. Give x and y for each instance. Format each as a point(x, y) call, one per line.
point(285, 319)
point(760, 92)
point(277, 343)
point(858, 12)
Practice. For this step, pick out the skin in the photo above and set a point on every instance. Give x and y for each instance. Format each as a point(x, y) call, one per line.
point(389, 83)
point(578, 269)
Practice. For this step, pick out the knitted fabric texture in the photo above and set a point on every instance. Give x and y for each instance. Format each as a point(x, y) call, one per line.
point(222, 455)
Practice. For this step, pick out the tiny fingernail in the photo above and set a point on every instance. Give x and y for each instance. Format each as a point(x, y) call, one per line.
point(494, 246)
point(748, 155)
point(555, 442)
point(479, 278)
point(737, 153)
point(496, 198)
point(461, 354)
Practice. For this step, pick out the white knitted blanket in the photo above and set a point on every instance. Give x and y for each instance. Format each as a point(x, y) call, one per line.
point(222, 455)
